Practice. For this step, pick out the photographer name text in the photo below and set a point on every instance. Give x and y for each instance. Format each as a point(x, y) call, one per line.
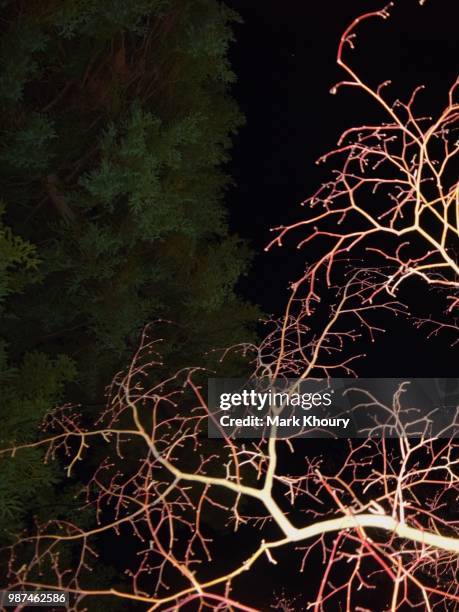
point(277, 421)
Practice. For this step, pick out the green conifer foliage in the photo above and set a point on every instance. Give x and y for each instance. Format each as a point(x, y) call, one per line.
point(116, 124)
point(27, 391)
point(116, 128)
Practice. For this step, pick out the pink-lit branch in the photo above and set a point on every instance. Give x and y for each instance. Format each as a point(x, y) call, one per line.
point(394, 190)
point(161, 488)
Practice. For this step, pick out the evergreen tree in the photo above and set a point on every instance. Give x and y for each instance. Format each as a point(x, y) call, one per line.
point(28, 390)
point(116, 125)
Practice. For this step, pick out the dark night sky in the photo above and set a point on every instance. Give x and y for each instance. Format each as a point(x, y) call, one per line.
point(284, 58)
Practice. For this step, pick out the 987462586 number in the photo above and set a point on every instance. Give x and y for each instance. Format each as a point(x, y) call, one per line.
point(34, 598)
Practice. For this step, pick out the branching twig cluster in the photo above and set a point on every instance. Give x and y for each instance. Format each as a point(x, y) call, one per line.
point(378, 514)
point(394, 190)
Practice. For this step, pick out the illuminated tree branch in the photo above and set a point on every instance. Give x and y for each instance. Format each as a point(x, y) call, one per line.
point(394, 192)
point(375, 516)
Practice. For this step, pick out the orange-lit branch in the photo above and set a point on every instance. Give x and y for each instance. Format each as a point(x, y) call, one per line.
point(161, 489)
point(394, 191)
